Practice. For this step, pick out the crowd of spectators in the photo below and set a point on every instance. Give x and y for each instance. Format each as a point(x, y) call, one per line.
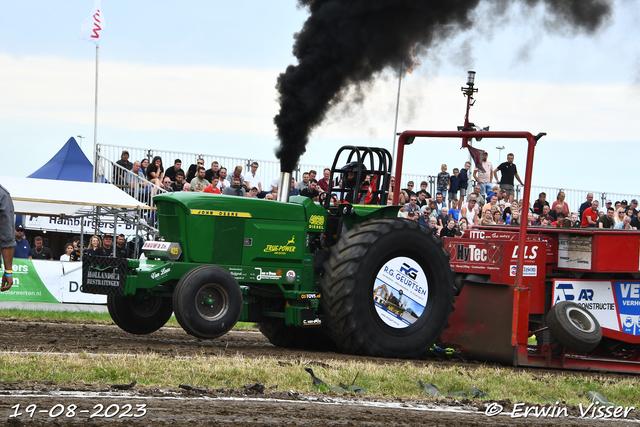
point(453, 209)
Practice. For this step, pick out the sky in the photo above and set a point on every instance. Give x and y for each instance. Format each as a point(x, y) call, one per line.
point(200, 77)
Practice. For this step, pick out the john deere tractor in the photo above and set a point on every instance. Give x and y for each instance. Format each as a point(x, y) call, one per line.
point(309, 273)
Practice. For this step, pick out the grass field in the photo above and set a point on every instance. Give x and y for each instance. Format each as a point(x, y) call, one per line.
point(397, 379)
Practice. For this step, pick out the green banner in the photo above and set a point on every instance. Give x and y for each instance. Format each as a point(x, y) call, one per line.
point(28, 286)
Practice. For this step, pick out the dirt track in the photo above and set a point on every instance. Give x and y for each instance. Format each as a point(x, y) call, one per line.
point(176, 406)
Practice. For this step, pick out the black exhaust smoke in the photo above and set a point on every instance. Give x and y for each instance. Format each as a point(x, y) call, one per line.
point(348, 42)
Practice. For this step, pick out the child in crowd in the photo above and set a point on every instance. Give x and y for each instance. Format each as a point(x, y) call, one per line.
point(443, 181)
point(454, 212)
point(454, 185)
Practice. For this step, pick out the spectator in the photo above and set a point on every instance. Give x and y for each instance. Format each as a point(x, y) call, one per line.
point(454, 212)
point(213, 187)
point(440, 203)
point(68, 250)
point(487, 218)
point(413, 216)
point(119, 175)
point(144, 165)
point(237, 173)
point(304, 183)
point(469, 211)
point(236, 188)
point(464, 181)
point(443, 217)
point(539, 204)
point(559, 220)
point(178, 185)
point(253, 193)
point(557, 210)
point(121, 247)
point(40, 251)
point(508, 171)
point(105, 249)
point(433, 225)
point(606, 221)
point(213, 171)
point(94, 244)
point(423, 187)
point(252, 179)
point(166, 184)
point(484, 178)
point(198, 183)
point(635, 221)
point(449, 230)
point(443, 181)
point(477, 189)
point(269, 196)
point(324, 181)
point(634, 206)
point(463, 226)
point(223, 182)
point(424, 218)
point(619, 216)
point(155, 171)
point(422, 198)
point(22, 248)
point(454, 185)
point(137, 185)
point(186, 187)
point(584, 206)
point(193, 169)
point(173, 170)
point(75, 255)
point(624, 225)
point(412, 206)
point(493, 204)
point(497, 217)
point(409, 189)
point(575, 220)
point(590, 215)
point(514, 218)
point(312, 190)
point(312, 175)
point(294, 191)
point(560, 201)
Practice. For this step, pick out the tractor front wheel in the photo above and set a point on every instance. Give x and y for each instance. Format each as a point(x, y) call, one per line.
point(387, 289)
point(140, 314)
point(207, 302)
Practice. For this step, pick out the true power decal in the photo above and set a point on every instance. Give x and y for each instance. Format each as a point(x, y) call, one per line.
point(400, 292)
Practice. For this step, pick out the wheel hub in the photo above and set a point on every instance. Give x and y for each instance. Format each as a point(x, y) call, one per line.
point(580, 320)
point(212, 302)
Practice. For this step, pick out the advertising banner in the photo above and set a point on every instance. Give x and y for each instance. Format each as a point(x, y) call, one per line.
point(48, 281)
point(73, 225)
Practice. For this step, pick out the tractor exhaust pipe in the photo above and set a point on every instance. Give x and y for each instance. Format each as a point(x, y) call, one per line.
point(284, 187)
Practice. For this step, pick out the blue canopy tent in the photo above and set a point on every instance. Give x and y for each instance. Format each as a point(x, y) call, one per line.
point(69, 164)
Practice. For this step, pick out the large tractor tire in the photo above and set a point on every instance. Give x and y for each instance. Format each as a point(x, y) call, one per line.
point(281, 335)
point(139, 314)
point(574, 327)
point(373, 265)
point(207, 302)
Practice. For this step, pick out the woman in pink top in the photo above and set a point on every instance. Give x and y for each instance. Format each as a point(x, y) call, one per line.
point(560, 201)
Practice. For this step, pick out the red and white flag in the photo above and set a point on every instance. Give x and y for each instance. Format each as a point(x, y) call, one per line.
point(91, 28)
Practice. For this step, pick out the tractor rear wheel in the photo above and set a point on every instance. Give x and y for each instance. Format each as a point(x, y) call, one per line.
point(207, 302)
point(281, 335)
point(140, 314)
point(574, 327)
point(387, 289)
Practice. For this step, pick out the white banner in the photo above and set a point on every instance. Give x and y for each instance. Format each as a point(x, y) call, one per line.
point(72, 225)
point(91, 28)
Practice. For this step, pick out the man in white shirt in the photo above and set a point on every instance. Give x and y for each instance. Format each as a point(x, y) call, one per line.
point(252, 179)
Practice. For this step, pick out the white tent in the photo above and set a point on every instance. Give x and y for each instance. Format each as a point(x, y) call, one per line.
point(64, 198)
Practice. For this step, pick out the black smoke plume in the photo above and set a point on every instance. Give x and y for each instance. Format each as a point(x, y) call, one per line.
point(348, 42)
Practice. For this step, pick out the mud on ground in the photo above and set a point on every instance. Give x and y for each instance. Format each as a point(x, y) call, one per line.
point(203, 407)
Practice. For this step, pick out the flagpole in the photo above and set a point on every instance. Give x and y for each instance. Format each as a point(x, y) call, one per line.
point(95, 126)
point(395, 127)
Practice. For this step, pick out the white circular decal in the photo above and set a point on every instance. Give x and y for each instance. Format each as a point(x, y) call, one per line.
point(400, 292)
point(291, 276)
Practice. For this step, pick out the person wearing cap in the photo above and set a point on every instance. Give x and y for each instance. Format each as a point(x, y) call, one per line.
point(22, 248)
point(105, 249)
point(634, 206)
point(7, 241)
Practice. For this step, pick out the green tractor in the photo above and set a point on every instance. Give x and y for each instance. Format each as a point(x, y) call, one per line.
point(313, 275)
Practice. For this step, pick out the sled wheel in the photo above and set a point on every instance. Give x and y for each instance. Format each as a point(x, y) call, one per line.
point(387, 289)
point(574, 327)
point(207, 302)
point(140, 314)
point(285, 336)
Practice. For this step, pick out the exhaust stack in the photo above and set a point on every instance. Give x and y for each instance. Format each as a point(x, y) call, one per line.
point(284, 187)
